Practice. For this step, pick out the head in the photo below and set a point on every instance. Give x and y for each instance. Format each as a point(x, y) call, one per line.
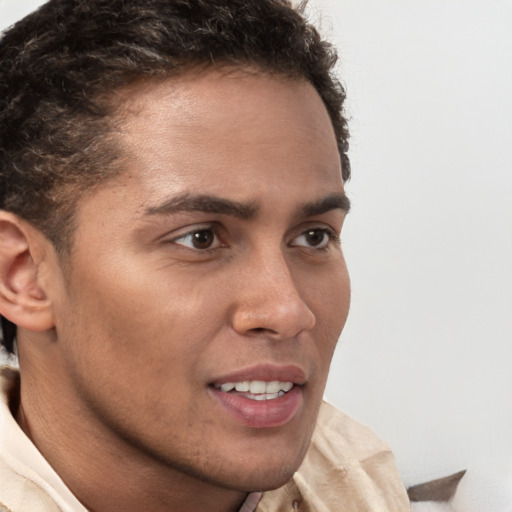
point(172, 163)
point(59, 75)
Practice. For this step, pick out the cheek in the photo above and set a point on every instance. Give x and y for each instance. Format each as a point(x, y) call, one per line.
point(330, 297)
point(331, 303)
point(143, 316)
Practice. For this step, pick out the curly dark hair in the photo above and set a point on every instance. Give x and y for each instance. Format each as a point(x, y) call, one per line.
point(60, 65)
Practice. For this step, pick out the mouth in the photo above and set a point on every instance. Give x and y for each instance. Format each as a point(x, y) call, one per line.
point(261, 397)
point(258, 390)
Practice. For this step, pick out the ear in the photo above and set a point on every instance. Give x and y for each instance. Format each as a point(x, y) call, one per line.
point(23, 300)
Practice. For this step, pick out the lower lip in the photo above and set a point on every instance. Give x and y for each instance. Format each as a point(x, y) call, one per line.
point(264, 413)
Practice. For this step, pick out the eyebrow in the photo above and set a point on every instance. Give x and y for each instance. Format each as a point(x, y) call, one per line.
point(212, 204)
point(204, 203)
point(337, 201)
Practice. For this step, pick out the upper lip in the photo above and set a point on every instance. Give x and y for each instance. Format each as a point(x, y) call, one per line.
point(265, 372)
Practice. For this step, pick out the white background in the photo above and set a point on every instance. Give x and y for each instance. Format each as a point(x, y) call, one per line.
point(425, 357)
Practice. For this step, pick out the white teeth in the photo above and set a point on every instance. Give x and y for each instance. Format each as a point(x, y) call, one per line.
point(243, 387)
point(265, 396)
point(257, 386)
point(258, 389)
point(273, 387)
point(286, 386)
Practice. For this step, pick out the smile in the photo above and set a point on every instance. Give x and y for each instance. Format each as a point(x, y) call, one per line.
point(257, 389)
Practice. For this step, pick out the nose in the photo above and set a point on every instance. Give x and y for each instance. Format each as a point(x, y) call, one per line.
point(269, 303)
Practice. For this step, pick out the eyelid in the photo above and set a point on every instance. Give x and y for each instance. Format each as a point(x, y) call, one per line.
point(332, 237)
point(190, 230)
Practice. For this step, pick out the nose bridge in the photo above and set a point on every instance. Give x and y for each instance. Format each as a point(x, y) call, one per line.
point(270, 299)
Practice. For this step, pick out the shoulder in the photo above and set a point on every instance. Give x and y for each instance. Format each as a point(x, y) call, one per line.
point(347, 467)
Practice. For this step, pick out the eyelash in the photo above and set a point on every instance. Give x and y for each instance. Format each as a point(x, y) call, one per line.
point(214, 229)
point(332, 238)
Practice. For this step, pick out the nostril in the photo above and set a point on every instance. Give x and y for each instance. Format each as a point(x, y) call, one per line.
point(259, 330)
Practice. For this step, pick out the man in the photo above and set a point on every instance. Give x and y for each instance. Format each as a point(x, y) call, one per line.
point(171, 274)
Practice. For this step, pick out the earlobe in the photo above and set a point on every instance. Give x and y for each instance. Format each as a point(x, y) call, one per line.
point(23, 300)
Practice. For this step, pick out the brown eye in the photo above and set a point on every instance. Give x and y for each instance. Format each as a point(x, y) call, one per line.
point(203, 239)
point(199, 239)
point(314, 238)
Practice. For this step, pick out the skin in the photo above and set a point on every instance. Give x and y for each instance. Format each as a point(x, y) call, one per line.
point(140, 322)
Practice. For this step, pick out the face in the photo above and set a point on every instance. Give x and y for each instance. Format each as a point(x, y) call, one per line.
point(207, 288)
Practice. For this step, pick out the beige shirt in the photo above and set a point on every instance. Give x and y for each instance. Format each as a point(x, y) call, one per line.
point(347, 469)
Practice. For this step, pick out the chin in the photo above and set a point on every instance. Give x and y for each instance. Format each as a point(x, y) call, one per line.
point(263, 479)
point(260, 475)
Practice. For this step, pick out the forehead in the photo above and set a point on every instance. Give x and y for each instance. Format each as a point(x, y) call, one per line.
point(199, 124)
point(252, 139)
point(198, 95)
